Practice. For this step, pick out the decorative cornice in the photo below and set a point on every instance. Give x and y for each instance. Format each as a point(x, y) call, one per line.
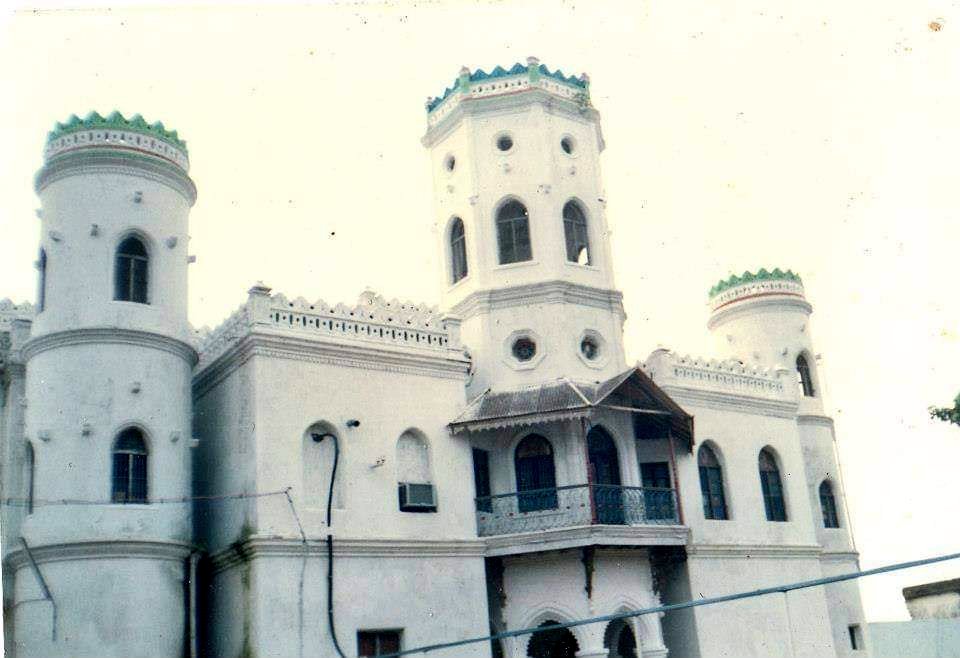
point(774, 301)
point(100, 550)
point(750, 277)
point(547, 292)
point(754, 551)
point(256, 547)
point(116, 160)
point(727, 377)
point(815, 419)
point(729, 401)
point(113, 122)
point(109, 335)
point(592, 535)
point(840, 556)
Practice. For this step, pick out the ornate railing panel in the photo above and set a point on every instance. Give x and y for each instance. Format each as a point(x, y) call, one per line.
point(575, 505)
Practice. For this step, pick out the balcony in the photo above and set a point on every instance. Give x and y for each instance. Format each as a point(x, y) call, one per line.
point(575, 506)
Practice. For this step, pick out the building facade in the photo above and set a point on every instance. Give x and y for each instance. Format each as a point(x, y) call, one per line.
point(325, 480)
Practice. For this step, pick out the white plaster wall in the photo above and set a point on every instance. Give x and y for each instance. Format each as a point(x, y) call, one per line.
point(112, 607)
point(843, 601)
point(765, 629)
point(90, 383)
point(919, 638)
point(431, 599)
point(80, 265)
point(821, 464)
point(15, 478)
point(386, 404)
point(945, 605)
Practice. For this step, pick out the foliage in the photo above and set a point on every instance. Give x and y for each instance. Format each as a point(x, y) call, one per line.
point(947, 414)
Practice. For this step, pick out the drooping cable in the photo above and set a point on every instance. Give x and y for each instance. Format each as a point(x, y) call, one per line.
point(333, 477)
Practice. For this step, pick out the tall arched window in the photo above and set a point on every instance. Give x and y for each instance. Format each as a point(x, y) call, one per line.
point(42, 280)
point(513, 233)
point(828, 505)
point(575, 231)
point(30, 467)
point(130, 272)
point(771, 487)
point(416, 491)
point(803, 376)
point(458, 251)
point(711, 485)
point(533, 461)
point(130, 467)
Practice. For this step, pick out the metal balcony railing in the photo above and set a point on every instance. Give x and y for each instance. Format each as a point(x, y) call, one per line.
point(575, 505)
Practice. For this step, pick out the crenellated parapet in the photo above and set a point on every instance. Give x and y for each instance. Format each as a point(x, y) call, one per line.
point(472, 85)
point(671, 370)
point(372, 320)
point(10, 311)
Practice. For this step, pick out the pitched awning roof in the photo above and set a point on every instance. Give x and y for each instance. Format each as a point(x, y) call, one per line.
point(631, 391)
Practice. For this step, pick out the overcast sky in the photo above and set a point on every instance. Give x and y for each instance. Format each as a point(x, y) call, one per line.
point(810, 136)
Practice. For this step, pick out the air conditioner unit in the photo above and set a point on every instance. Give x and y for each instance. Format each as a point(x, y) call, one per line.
point(417, 497)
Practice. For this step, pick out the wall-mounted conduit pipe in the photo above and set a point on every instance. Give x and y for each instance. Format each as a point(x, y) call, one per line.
point(47, 596)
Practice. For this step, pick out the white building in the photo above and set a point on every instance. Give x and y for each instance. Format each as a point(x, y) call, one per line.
point(498, 464)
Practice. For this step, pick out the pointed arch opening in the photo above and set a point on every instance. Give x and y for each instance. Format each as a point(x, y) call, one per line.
point(604, 477)
point(711, 484)
point(536, 474)
point(620, 640)
point(771, 486)
point(828, 505)
point(576, 233)
point(131, 271)
point(458, 251)
point(552, 643)
point(513, 233)
point(804, 377)
point(130, 454)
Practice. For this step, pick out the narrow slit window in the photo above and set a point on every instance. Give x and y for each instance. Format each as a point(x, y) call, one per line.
point(771, 487)
point(804, 380)
point(575, 232)
point(130, 467)
point(828, 506)
point(458, 251)
point(42, 280)
point(711, 485)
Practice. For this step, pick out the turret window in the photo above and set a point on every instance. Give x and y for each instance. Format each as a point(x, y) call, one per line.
point(513, 233)
point(131, 270)
point(804, 380)
point(130, 467)
point(31, 467)
point(711, 485)
point(771, 487)
point(828, 505)
point(42, 282)
point(458, 250)
point(575, 231)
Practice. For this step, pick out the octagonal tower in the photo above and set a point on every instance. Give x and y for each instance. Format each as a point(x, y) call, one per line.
point(519, 211)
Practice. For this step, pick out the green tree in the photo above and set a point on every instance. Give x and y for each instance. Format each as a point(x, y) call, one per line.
point(947, 414)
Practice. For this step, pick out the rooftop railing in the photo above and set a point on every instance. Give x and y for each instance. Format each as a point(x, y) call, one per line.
point(575, 505)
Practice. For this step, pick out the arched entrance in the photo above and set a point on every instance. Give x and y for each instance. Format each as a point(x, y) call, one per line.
point(555, 643)
point(605, 476)
point(620, 640)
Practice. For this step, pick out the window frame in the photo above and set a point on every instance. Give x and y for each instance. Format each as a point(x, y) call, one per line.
point(131, 467)
point(714, 498)
point(42, 280)
point(127, 289)
point(576, 233)
point(828, 505)
point(771, 488)
point(805, 376)
point(457, 243)
point(377, 640)
point(30, 461)
point(533, 475)
point(514, 225)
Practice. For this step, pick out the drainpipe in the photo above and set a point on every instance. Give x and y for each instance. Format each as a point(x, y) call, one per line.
point(191, 568)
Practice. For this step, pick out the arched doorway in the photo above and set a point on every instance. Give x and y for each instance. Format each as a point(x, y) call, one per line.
point(619, 638)
point(554, 643)
point(533, 462)
point(605, 476)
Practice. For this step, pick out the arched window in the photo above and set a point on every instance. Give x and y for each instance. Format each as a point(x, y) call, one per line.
point(553, 643)
point(318, 449)
point(575, 231)
point(30, 468)
point(130, 272)
point(771, 487)
point(533, 461)
point(711, 485)
point(130, 467)
point(828, 505)
point(42, 281)
point(458, 251)
point(513, 233)
point(804, 381)
point(416, 491)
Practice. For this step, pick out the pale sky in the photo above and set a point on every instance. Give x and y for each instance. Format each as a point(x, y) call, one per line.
point(817, 136)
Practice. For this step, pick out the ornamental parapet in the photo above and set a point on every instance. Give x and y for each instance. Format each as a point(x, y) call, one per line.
point(373, 320)
point(499, 82)
point(9, 311)
point(669, 369)
point(749, 285)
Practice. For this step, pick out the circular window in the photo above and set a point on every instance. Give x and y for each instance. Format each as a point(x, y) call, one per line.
point(568, 145)
point(524, 349)
point(450, 163)
point(504, 142)
point(590, 348)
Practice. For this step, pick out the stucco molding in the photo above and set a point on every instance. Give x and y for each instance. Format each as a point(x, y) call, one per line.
point(593, 535)
point(815, 419)
point(841, 556)
point(100, 550)
point(292, 547)
point(731, 402)
point(547, 292)
point(773, 302)
point(109, 336)
point(754, 551)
